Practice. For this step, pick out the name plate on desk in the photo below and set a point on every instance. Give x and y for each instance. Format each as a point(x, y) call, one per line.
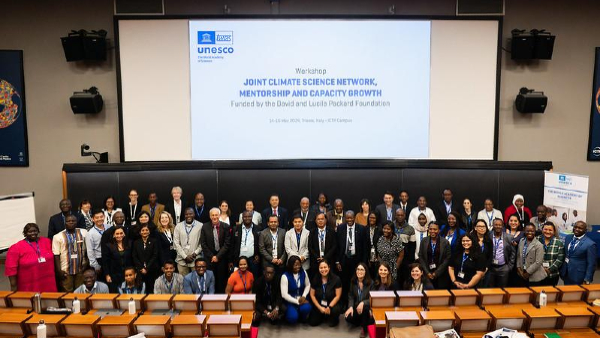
point(214, 302)
point(224, 325)
point(242, 302)
point(409, 298)
point(381, 299)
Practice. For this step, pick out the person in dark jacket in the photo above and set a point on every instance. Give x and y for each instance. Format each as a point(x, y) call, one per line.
point(146, 258)
point(116, 256)
point(269, 304)
point(359, 303)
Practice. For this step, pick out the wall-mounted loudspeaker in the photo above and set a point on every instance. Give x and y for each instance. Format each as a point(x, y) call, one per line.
point(89, 101)
point(85, 46)
point(532, 45)
point(530, 101)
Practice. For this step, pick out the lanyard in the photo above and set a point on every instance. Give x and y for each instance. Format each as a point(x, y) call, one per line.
point(198, 213)
point(132, 211)
point(247, 231)
point(152, 211)
point(202, 287)
point(169, 236)
point(37, 251)
point(109, 217)
point(350, 233)
point(422, 233)
point(497, 244)
point(572, 246)
point(244, 279)
point(305, 216)
point(268, 291)
point(324, 286)
point(168, 285)
point(359, 292)
point(298, 235)
point(187, 232)
point(322, 235)
point(389, 213)
point(298, 291)
point(490, 217)
point(464, 258)
point(521, 214)
point(274, 240)
point(400, 230)
point(482, 246)
point(524, 251)
point(433, 246)
point(99, 231)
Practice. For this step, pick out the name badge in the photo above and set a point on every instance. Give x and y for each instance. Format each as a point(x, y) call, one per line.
point(81, 241)
point(274, 254)
point(133, 222)
point(495, 262)
point(187, 247)
point(566, 260)
point(269, 308)
point(74, 256)
point(322, 254)
point(432, 266)
point(546, 264)
point(171, 247)
point(461, 275)
point(41, 260)
point(372, 250)
point(324, 303)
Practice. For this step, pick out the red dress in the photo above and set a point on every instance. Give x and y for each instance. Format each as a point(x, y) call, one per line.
point(23, 262)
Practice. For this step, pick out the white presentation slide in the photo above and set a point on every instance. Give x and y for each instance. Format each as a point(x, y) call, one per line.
point(253, 89)
point(298, 88)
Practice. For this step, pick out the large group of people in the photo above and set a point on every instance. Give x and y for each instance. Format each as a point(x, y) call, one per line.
point(312, 265)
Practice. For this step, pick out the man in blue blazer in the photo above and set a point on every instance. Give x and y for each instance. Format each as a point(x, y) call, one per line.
point(200, 282)
point(580, 257)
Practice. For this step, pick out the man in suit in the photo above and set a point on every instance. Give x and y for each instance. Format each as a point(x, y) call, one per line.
point(404, 204)
point(56, 223)
point(133, 209)
point(580, 257)
point(385, 212)
point(201, 281)
point(245, 243)
point(445, 207)
point(503, 256)
point(176, 206)
point(353, 248)
point(215, 240)
point(296, 241)
point(275, 210)
point(271, 245)
point(200, 209)
point(335, 217)
point(154, 209)
point(308, 215)
point(322, 244)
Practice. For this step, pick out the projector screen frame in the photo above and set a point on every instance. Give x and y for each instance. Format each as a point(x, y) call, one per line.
point(315, 163)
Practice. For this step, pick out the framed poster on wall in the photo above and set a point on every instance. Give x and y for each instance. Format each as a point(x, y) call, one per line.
point(594, 142)
point(13, 125)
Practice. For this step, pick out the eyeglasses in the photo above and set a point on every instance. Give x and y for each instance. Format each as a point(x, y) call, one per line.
point(201, 267)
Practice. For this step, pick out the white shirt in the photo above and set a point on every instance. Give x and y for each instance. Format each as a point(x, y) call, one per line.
point(247, 242)
point(177, 209)
point(486, 215)
point(413, 218)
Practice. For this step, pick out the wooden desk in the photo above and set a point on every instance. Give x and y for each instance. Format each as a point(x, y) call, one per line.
point(123, 302)
point(379, 316)
point(518, 295)
point(593, 292)
point(83, 297)
point(4, 298)
point(78, 325)
point(541, 319)
point(575, 317)
point(214, 302)
point(438, 297)
point(410, 298)
point(13, 310)
point(103, 301)
point(53, 324)
point(153, 326)
point(570, 293)
point(247, 317)
point(512, 318)
point(242, 302)
point(116, 326)
point(52, 299)
point(509, 306)
point(439, 320)
point(401, 319)
point(186, 302)
point(21, 299)
point(552, 293)
point(13, 324)
point(157, 302)
point(189, 326)
point(491, 296)
point(574, 333)
point(473, 320)
point(383, 299)
point(596, 320)
point(224, 325)
point(468, 297)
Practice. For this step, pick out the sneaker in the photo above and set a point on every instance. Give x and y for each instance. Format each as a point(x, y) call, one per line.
point(362, 333)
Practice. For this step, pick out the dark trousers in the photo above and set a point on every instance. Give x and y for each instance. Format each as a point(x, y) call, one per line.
point(441, 282)
point(498, 276)
point(363, 320)
point(348, 271)
point(316, 317)
point(221, 271)
point(549, 281)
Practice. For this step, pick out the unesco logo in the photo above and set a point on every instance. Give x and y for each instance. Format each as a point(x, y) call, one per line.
point(215, 37)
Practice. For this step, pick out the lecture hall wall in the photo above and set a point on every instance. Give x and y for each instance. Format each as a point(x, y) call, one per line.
point(55, 134)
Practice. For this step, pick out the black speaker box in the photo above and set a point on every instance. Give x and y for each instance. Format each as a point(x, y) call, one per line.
point(84, 48)
point(531, 102)
point(86, 103)
point(522, 47)
point(544, 46)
